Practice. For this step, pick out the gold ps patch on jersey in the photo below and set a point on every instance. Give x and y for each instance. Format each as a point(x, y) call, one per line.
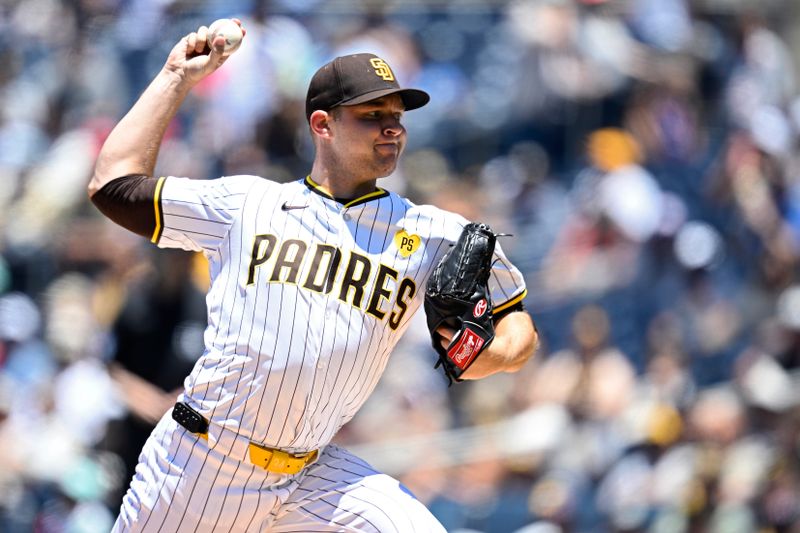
point(407, 244)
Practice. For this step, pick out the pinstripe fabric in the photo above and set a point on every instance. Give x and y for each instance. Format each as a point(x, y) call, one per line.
point(284, 365)
point(308, 297)
point(343, 493)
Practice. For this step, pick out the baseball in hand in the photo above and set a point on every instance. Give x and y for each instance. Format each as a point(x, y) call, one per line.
point(228, 29)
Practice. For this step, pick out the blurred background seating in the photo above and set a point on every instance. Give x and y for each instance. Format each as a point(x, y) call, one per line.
point(644, 153)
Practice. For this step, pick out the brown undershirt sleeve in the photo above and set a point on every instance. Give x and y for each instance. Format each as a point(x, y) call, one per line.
point(129, 201)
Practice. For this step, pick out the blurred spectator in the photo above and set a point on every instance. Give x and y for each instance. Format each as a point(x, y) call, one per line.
point(157, 338)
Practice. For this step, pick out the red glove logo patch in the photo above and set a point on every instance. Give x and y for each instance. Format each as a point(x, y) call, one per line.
point(480, 308)
point(465, 350)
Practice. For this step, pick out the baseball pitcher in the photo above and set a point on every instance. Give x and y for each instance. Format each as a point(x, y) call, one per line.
point(313, 283)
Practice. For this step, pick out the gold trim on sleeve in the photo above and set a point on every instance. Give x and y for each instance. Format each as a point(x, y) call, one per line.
point(513, 301)
point(157, 211)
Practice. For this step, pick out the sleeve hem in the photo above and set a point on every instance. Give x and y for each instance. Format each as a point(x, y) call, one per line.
point(513, 301)
point(158, 212)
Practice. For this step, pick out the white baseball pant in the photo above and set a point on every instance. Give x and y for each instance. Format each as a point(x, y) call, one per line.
point(183, 485)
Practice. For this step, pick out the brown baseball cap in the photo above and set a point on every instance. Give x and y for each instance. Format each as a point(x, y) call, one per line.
point(355, 79)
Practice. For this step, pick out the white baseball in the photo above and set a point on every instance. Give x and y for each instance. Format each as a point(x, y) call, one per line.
point(228, 29)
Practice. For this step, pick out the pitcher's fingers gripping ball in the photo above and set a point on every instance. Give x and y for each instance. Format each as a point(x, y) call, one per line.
point(457, 298)
point(230, 30)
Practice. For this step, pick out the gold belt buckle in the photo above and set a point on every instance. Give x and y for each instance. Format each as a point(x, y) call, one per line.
point(278, 461)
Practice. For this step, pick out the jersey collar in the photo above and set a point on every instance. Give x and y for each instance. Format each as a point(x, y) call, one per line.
point(379, 193)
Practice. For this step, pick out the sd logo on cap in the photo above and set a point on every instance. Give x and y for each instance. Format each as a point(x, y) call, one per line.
point(355, 79)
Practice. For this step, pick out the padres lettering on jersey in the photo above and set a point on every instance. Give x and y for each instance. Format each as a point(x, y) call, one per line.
point(322, 274)
point(308, 297)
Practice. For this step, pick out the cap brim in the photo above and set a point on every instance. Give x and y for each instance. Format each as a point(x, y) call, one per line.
point(412, 98)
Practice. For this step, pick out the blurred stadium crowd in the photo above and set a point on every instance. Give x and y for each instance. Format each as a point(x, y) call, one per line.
point(644, 153)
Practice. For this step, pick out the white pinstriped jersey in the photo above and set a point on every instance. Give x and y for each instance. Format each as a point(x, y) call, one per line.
point(308, 297)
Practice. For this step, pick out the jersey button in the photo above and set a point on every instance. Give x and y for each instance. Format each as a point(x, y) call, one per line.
point(346, 217)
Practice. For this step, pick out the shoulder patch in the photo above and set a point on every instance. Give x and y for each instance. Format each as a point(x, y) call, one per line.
point(406, 244)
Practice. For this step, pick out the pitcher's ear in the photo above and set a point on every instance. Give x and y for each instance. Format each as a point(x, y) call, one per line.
point(319, 121)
